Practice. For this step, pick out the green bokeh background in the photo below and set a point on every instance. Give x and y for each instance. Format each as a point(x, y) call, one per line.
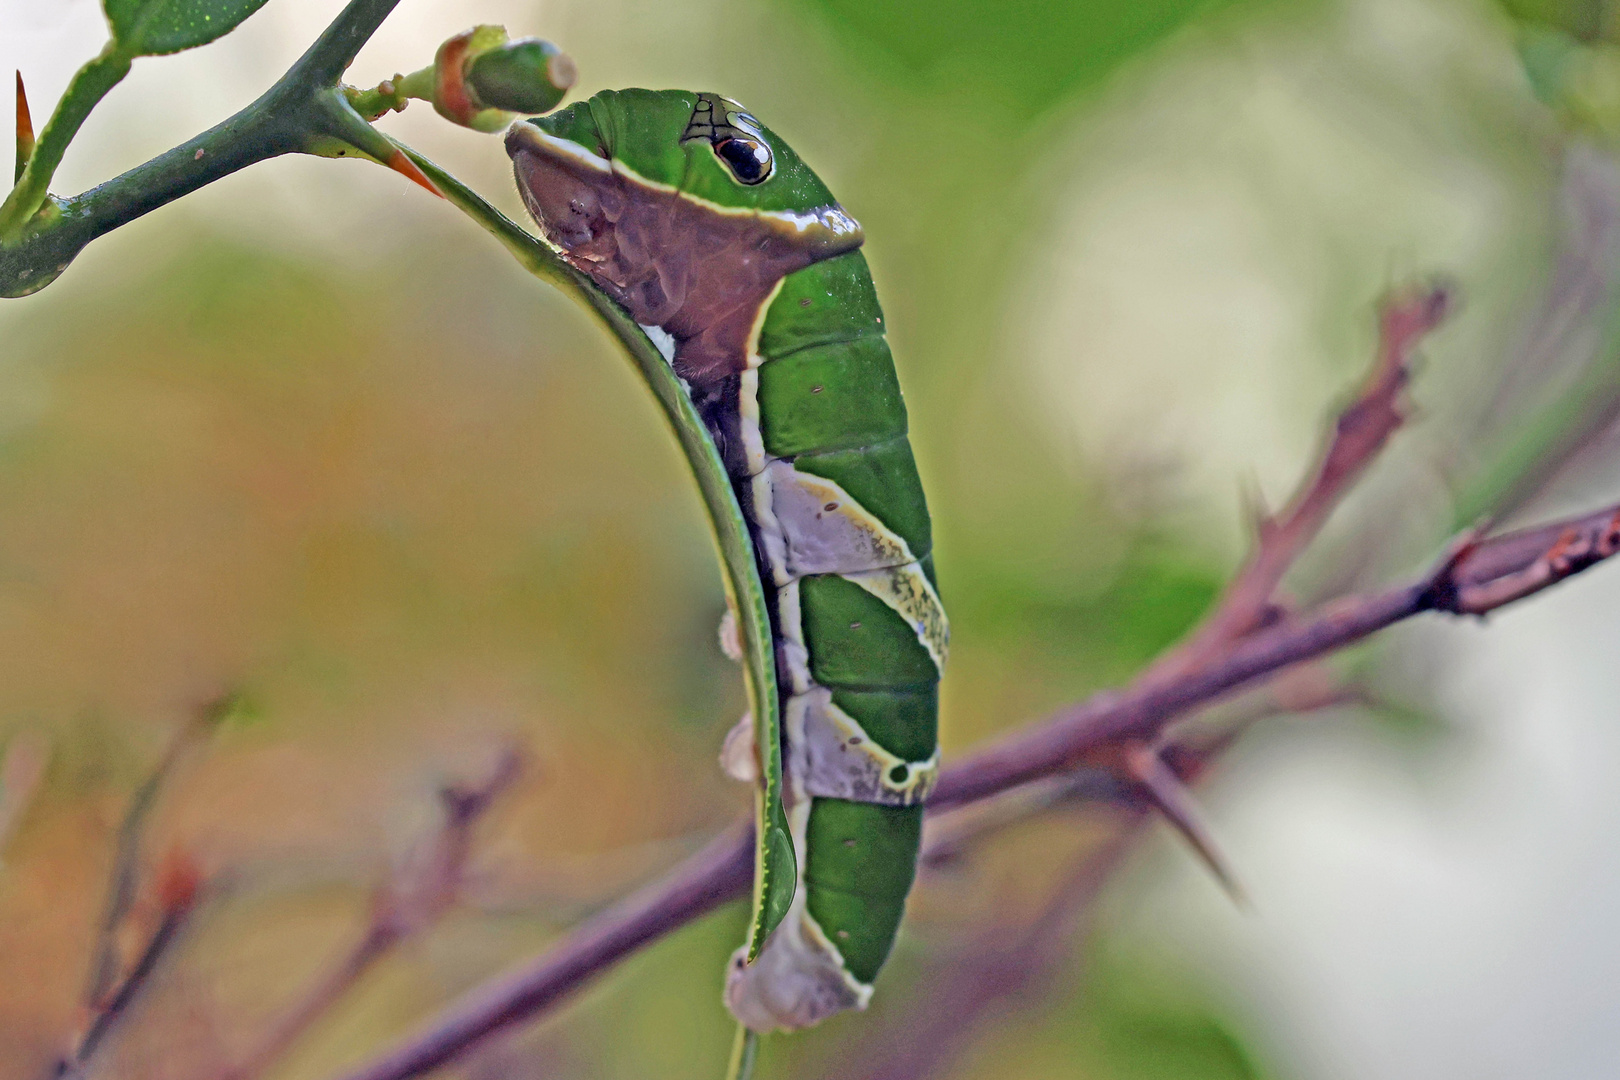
point(310, 438)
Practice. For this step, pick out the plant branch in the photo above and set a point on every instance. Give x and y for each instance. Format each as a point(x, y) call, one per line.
point(412, 901)
point(125, 877)
point(720, 872)
point(90, 84)
point(177, 887)
point(294, 115)
point(1466, 581)
point(23, 768)
point(1360, 432)
point(175, 917)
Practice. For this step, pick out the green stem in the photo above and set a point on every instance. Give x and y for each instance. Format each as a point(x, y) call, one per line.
point(286, 119)
point(743, 586)
point(392, 94)
point(89, 86)
point(744, 1054)
point(420, 84)
point(725, 513)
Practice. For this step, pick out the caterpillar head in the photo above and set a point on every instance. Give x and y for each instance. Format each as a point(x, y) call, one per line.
point(682, 206)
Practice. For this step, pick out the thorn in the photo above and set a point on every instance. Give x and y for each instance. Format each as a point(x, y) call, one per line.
point(403, 165)
point(1172, 798)
point(1441, 578)
point(179, 879)
point(1255, 511)
point(25, 130)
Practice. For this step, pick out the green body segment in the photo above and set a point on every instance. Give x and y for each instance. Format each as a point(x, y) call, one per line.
point(883, 474)
point(830, 401)
point(860, 862)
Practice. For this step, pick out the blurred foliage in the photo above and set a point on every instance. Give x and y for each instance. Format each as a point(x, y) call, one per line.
point(1585, 20)
point(1024, 56)
point(1146, 1020)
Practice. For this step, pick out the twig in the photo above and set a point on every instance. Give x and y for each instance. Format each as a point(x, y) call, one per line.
point(1568, 346)
point(960, 990)
point(1141, 711)
point(949, 837)
point(1579, 545)
point(125, 877)
point(1249, 602)
point(1165, 790)
point(178, 886)
point(290, 117)
point(722, 871)
point(1359, 434)
point(415, 899)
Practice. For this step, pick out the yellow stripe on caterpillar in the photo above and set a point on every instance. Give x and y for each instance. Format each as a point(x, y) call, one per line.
point(908, 591)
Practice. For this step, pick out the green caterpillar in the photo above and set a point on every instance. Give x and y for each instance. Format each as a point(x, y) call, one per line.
point(737, 260)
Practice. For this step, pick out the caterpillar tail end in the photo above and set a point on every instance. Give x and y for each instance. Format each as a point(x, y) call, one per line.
point(797, 981)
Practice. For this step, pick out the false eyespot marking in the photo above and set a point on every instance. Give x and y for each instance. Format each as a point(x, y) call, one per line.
point(734, 136)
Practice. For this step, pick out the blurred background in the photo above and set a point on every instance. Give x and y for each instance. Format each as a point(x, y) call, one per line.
point(310, 438)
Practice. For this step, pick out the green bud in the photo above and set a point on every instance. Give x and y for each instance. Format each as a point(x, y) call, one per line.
point(525, 76)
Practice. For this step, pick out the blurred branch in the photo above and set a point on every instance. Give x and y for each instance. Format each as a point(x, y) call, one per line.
point(1572, 346)
point(958, 991)
point(24, 767)
point(178, 885)
point(413, 900)
point(125, 878)
point(722, 871)
point(108, 996)
point(1467, 580)
point(1474, 576)
point(1359, 433)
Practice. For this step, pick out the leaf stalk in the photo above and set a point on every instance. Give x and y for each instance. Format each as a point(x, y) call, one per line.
point(92, 83)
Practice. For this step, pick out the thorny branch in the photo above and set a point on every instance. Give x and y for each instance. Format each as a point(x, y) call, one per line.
point(414, 899)
point(1239, 646)
point(177, 894)
point(962, 988)
point(112, 988)
point(1360, 432)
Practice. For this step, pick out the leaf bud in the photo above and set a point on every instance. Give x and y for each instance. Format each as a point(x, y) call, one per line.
point(481, 79)
point(524, 76)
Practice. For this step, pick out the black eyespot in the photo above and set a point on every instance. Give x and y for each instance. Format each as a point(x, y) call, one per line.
point(898, 774)
point(748, 159)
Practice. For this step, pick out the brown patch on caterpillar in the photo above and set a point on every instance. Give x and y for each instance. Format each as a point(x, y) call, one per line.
point(702, 272)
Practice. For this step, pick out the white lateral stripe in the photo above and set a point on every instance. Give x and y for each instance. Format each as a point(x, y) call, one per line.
point(832, 217)
point(794, 653)
point(751, 357)
point(548, 143)
point(810, 525)
point(662, 340)
point(907, 590)
point(832, 757)
point(753, 439)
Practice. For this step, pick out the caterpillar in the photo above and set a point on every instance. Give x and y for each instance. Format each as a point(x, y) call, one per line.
point(738, 262)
